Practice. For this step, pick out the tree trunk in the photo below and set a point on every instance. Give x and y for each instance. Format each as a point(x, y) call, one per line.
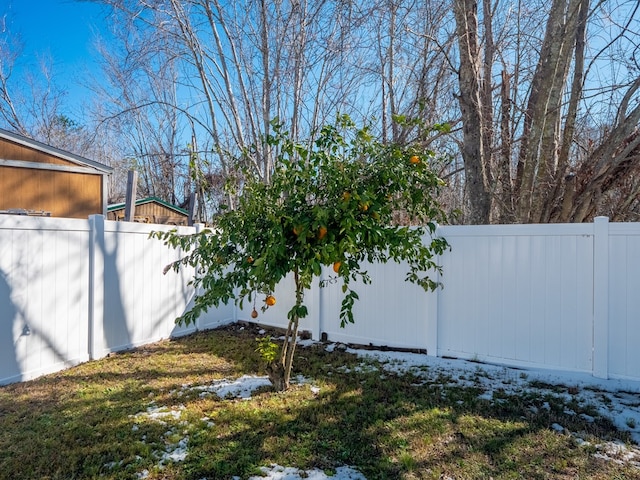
point(538, 158)
point(473, 125)
point(279, 372)
point(504, 194)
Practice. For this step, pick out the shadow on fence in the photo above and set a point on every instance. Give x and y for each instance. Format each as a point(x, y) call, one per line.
point(116, 329)
point(9, 367)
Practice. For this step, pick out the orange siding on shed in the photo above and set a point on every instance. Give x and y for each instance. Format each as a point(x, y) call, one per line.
point(13, 151)
point(64, 194)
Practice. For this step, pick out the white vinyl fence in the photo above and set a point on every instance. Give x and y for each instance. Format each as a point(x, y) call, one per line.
point(558, 296)
point(561, 296)
point(74, 290)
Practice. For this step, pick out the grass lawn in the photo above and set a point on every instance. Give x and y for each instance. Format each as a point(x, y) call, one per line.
point(139, 414)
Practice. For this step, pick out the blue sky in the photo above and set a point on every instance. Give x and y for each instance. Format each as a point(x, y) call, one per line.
point(61, 29)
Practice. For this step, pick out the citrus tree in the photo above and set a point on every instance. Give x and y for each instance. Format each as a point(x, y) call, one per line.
point(342, 201)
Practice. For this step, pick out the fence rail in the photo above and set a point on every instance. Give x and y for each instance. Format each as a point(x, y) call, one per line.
point(553, 296)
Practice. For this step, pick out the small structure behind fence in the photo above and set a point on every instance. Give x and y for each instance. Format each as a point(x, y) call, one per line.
point(552, 296)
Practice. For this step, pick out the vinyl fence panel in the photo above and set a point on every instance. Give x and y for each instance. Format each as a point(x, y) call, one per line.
point(624, 300)
point(390, 311)
point(140, 302)
point(43, 296)
point(518, 294)
point(73, 290)
point(276, 316)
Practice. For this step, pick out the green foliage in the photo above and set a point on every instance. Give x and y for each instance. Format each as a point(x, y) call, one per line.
point(344, 198)
point(267, 349)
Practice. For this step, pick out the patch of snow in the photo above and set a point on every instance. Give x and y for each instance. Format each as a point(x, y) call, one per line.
point(242, 387)
point(160, 414)
point(587, 418)
point(488, 395)
point(277, 472)
point(582, 443)
point(619, 453)
point(207, 421)
point(358, 369)
point(175, 452)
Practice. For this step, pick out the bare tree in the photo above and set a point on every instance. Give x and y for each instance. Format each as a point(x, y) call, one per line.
point(237, 67)
point(30, 101)
point(411, 68)
point(535, 170)
point(198, 84)
point(137, 99)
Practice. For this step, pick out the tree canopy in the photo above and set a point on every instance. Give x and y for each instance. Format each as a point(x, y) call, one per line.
point(342, 202)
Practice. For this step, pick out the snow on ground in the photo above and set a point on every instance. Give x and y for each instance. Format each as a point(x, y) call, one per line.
point(277, 472)
point(242, 387)
point(618, 400)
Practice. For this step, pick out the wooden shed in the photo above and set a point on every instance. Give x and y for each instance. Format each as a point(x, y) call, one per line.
point(38, 179)
point(151, 210)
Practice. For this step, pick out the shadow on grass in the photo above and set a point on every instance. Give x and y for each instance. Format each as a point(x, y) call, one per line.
point(81, 423)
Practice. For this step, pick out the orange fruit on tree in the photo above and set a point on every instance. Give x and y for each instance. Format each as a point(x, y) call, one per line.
point(322, 231)
point(270, 300)
point(346, 196)
point(254, 314)
point(414, 159)
point(336, 266)
point(250, 259)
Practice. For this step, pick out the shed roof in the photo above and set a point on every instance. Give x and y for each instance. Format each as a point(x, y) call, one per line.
point(53, 151)
point(142, 201)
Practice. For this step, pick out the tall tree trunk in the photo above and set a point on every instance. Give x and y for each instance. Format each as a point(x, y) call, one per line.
point(504, 195)
point(473, 125)
point(563, 183)
point(538, 158)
